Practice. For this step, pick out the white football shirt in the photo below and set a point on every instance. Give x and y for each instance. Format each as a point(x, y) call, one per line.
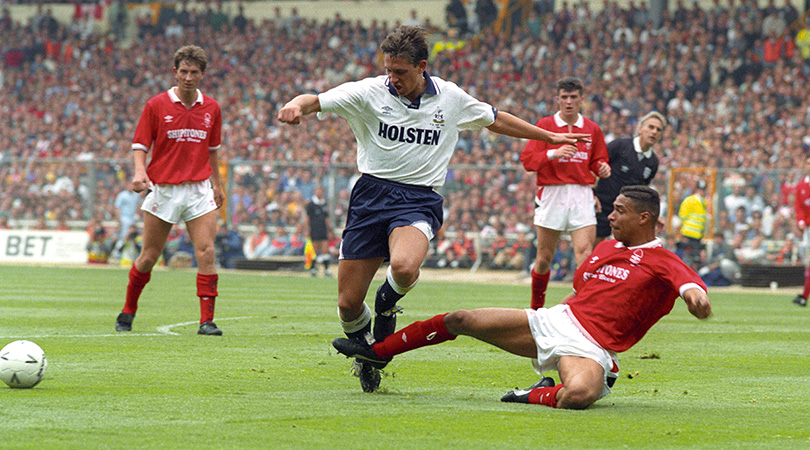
point(401, 141)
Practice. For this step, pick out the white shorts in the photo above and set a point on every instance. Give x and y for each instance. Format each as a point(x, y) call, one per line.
point(565, 207)
point(556, 335)
point(804, 246)
point(174, 202)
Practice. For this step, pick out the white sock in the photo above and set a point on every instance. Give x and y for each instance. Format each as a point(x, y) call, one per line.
point(358, 323)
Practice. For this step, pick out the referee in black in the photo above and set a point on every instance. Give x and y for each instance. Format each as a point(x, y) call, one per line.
point(317, 218)
point(632, 162)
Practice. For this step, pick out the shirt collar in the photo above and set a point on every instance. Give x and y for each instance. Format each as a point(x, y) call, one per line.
point(176, 99)
point(430, 89)
point(637, 146)
point(652, 244)
point(558, 120)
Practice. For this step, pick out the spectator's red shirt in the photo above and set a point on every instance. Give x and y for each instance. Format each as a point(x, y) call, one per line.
point(580, 168)
point(180, 138)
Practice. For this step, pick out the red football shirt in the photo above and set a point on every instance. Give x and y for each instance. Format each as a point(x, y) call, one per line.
point(802, 201)
point(580, 168)
point(180, 138)
point(622, 292)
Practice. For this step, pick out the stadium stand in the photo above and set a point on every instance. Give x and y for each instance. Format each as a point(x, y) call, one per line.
point(70, 94)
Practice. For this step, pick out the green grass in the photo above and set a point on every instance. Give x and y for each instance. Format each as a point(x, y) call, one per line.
point(273, 381)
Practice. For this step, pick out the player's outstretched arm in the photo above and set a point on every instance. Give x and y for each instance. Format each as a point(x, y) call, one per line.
point(698, 303)
point(510, 125)
point(298, 107)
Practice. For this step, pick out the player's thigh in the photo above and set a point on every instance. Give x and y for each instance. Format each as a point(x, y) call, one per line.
point(203, 230)
point(582, 241)
point(546, 243)
point(584, 377)
point(155, 232)
point(408, 246)
point(505, 328)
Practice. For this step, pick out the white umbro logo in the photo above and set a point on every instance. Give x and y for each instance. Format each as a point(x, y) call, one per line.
point(168, 118)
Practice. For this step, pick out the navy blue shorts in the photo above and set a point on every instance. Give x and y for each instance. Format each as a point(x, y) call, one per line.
point(378, 206)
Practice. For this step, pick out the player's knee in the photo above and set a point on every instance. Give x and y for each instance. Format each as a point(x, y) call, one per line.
point(542, 264)
point(147, 260)
point(578, 397)
point(405, 270)
point(458, 322)
point(583, 247)
point(205, 253)
point(349, 309)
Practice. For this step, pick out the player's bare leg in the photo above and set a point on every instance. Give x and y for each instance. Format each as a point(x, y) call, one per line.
point(546, 246)
point(583, 241)
point(582, 380)
point(407, 246)
point(354, 279)
point(502, 327)
point(155, 232)
point(505, 328)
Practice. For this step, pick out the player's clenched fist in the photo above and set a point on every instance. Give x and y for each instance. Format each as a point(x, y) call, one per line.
point(290, 113)
point(298, 107)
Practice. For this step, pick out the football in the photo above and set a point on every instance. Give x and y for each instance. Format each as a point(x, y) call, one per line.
point(22, 364)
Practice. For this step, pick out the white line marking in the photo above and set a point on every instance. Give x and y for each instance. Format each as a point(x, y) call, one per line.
point(167, 329)
point(79, 335)
point(163, 330)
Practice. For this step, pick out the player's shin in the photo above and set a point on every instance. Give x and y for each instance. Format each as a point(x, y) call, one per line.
point(137, 281)
point(358, 329)
point(413, 336)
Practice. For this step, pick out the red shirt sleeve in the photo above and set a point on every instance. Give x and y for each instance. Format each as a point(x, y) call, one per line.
point(534, 154)
point(146, 131)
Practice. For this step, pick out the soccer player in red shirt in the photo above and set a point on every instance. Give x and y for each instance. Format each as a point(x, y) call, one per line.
point(624, 287)
point(566, 175)
point(802, 206)
point(182, 128)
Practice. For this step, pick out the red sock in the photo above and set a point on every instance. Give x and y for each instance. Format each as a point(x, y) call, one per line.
point(539, 286)
point(207, 291)
point(806, 291)
point(137, 281)
point(545, 396)
point(415, 335)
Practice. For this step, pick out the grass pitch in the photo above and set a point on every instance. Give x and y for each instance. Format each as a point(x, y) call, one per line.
point(273, 381)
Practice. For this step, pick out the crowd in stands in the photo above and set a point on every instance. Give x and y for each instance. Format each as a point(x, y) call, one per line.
point(732, 81)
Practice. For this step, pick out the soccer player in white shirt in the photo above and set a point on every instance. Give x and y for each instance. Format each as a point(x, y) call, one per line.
point(406, 124)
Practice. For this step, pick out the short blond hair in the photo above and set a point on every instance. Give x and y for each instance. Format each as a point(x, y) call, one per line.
point(651, 115)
